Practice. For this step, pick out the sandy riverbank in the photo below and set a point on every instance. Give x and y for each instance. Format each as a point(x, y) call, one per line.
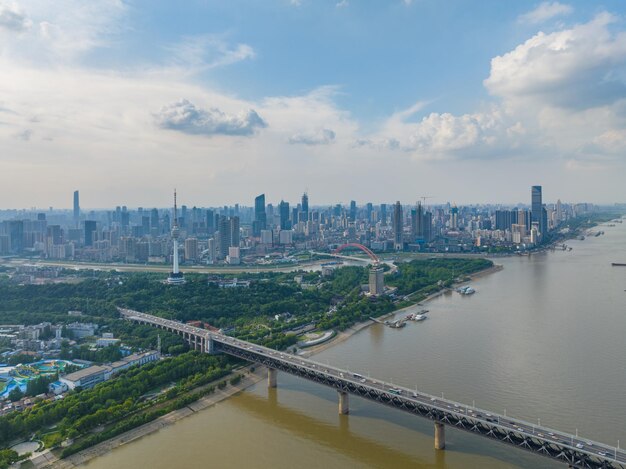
point(344, 335)
point(49, 460)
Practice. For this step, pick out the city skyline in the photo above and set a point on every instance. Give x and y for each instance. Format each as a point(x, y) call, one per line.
point(528, 92)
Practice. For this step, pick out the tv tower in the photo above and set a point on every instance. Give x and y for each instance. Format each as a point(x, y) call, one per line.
point(176, 277)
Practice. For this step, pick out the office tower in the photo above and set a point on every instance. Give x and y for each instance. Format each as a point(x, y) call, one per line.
point(536, 210)
point(260, 217)
point(503, 220)
point(90, 229)
point(76, 209)
point(234, 232)
point(352, 210)
point(398, 242)
point(176, 276)
point(285, 224)
point(305, 207)
point(383, 214)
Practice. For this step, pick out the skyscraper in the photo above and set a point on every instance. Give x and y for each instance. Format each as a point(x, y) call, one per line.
point(260, 217)
point(234, 232)
point(454, 217)
point(536, 210)
point(352, 210)
point(383, 214)
point(398, 223)
point(419, 221)
point(76, 209)
point(176, 277)
point(305, 207)
point(223, 228)
point(285, 224)
point(90, 228)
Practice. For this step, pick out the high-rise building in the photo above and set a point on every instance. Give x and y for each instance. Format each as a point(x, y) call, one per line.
point(176, 276)
point(398, 224)
point(536, 210)
point(559, 212)
point(428, 226)
point(154, 219)
point(285, 223)
point(383, 214)
point(417, 221)
point(223, 239)
point(376, 281)
point(16, 236)
point(210, 222)
point(53, 233)
point(454, 218)
point(90, 229)
point(352, 210)
point(76, 210)
point(305, 207)
point(234, 232)
point(191, 249)
point(260, 217)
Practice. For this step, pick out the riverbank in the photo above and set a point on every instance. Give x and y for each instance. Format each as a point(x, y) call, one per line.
point(349, 332)
point(50, 460)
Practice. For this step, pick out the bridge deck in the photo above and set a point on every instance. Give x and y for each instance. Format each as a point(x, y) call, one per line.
point(562, 446)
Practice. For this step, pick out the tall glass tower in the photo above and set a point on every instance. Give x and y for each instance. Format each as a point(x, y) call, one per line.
point(536, 209)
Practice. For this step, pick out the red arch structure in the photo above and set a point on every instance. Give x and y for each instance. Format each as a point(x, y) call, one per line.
point(371, 255)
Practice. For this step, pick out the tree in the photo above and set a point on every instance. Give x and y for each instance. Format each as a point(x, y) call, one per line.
point(16, 394)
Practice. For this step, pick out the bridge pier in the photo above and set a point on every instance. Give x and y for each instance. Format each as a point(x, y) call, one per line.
point(344, 402)
point(440, 435)
point(272, 374)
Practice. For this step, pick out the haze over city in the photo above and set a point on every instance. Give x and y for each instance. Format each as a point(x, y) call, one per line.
point(377, 101)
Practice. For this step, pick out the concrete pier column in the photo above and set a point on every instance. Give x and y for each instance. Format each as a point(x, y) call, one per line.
point(440, 435)
point(344, 402)
point(272, 374)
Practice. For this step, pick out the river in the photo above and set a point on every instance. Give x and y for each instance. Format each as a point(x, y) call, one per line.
point(544, 339)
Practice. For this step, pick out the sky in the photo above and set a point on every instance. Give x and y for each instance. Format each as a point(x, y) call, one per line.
point(366, 100)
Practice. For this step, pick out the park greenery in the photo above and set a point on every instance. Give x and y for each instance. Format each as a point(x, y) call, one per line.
point(269, 311)
point(82, 411)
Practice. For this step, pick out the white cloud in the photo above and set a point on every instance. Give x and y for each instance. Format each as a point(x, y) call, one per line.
point(342, 4)
point(186, 117)
point(320, 137)
point(580, 67)
point(545, 11)
point(209, 51)
point(12, 18)
point(63, 30)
